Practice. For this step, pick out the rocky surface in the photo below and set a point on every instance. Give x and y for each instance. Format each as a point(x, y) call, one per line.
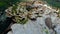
point(37, 13)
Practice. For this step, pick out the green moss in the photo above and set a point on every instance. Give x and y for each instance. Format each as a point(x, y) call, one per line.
point(22, 21)
point(2, 3)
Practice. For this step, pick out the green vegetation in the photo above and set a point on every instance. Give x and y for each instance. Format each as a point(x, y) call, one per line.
point(54, 3)
point(6, 3)
point(3, 5)
point(22, 21)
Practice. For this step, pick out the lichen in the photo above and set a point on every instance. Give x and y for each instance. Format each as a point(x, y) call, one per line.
point(27, 10)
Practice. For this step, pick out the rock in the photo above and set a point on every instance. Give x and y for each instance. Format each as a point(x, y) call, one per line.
point(40, 25)
point(57, 29)
point(10, 32)
point(33, 27)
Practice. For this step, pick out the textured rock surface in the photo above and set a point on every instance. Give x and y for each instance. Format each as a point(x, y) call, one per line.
point(38, 26)
point(34, 27)
point(31, 27)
